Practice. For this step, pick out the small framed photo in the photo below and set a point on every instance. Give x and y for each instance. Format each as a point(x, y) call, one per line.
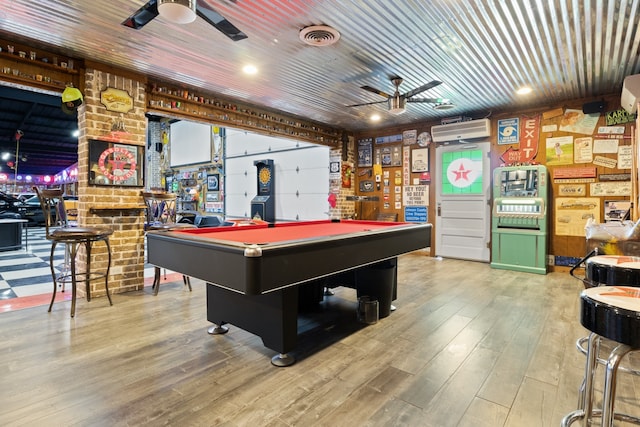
point(420, 160)
point(213, 182)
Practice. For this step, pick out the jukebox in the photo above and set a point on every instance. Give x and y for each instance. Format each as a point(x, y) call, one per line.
point(519, 219)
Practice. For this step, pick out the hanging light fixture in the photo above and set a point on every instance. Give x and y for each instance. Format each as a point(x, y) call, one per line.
point(178, 11)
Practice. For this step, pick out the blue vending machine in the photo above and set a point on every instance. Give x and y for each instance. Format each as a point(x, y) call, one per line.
point(519, 223)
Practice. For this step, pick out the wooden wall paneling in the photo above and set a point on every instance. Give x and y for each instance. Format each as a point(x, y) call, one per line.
point(568, 246)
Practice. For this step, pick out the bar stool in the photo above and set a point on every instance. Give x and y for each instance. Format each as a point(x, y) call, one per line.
point(606, 270)
point(161, 215)
point(613, 313)
point(57, 230)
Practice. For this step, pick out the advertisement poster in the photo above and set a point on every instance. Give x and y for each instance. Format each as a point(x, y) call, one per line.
point(583, 150)
point(616, 210)
point(572, 214)
point(347, 174)
point(576, 121)
point(625, 157)
point(560, 151)
point(365, 152)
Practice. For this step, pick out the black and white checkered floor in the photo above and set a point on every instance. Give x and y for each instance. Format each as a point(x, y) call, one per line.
point(26, 272)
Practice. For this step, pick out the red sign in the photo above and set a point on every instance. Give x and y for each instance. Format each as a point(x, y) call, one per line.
point(510, 156)
point(564, 173)
point(529, 138)
point(117, 164)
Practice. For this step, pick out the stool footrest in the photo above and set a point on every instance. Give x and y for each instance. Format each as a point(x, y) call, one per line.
point(581, 346)
point(579, 414)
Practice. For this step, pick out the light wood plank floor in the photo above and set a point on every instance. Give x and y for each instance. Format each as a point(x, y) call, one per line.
point(468, 346)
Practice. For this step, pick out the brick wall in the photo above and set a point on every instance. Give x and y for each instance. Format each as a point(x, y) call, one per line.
point(344, 208)
point(127, 241)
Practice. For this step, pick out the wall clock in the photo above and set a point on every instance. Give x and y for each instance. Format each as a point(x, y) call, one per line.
point(424, 139)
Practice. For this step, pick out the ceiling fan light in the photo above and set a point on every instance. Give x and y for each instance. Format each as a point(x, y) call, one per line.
point(396, 105)
point(178, 11)
point(443, 106)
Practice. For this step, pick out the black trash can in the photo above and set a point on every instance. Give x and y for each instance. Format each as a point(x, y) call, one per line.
point(377, 281)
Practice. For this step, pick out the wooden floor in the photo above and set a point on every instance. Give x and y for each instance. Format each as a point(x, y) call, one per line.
point(467, 346)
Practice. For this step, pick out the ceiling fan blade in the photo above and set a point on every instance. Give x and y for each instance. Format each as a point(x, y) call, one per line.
point(366, 103)
point(142, 16)
point(374, 90)
point(422, 88)
point(428, 100)
point(220, 22)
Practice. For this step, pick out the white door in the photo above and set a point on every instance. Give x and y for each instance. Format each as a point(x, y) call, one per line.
point(463, 209)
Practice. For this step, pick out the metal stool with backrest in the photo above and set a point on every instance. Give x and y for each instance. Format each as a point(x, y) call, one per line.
point(161, 215)
point(59, 231)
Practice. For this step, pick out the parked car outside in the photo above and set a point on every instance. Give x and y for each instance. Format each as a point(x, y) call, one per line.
point(32, 210)
point(9, 206)
point(23, 196)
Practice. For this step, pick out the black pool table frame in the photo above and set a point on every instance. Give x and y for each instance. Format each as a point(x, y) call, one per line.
point(256, 287)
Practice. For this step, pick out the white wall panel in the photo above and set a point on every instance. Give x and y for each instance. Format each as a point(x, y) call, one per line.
point(301, 175)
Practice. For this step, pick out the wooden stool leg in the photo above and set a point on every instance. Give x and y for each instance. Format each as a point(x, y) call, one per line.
point(187, 281)
point(156, 280)
point(87, 276)
point(53, 274)
point(73, 252)
point(106, 277)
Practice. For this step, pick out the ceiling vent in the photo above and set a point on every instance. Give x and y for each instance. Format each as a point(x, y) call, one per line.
point(319, 35)
point(463, 130)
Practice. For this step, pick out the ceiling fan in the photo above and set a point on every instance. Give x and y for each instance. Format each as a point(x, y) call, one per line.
point(397, 101)
point(182, 12)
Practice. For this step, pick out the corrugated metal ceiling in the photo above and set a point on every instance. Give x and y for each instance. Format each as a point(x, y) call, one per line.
point(482, 51)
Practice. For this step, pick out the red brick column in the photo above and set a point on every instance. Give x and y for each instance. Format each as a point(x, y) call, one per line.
point(127, 241)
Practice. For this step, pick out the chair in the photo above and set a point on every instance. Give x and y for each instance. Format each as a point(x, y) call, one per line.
point(161, 215)
point(58, 230)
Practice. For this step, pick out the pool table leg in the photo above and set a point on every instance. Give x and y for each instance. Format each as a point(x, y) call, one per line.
point(272, 316)
point(217, 330)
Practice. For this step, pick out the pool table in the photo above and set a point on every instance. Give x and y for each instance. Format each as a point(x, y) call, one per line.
point(255, 273)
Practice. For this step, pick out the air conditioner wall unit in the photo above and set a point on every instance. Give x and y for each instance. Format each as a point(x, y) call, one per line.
point(630, 93)
point(471, 129)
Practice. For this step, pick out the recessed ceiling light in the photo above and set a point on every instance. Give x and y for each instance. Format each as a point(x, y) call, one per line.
point(524, 90)
point(375, 117)
point(249, 69)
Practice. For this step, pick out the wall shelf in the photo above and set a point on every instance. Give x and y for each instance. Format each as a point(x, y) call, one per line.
point(184, 104)
point(45, 71)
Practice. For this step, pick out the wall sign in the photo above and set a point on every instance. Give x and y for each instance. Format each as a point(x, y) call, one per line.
point(114, 163)
point(415, 214)
point(508, 132)
point(116, 100)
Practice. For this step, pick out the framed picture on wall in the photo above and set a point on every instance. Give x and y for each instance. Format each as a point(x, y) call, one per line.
point(116, 164)
point(213, 182)
point(420, 160)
